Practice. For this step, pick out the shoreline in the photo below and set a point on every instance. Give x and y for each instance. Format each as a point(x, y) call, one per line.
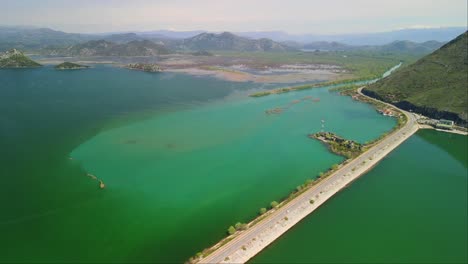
point(265, 229)
point(242, 71)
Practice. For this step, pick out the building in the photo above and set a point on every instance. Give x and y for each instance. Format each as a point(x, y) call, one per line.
point(445, 124)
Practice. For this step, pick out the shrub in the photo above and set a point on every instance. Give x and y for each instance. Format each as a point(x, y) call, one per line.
point(231, 230)
point(274, 204)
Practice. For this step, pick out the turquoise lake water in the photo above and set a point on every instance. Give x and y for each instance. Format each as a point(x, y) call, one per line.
point(411, 208)
point(182, 158)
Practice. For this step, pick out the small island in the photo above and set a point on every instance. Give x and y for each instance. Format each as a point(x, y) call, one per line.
point(144, 67)
point(339, 145)
point(70, 66)
point(16, 59)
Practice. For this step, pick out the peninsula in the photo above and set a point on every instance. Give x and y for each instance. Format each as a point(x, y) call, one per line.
point(16, 59)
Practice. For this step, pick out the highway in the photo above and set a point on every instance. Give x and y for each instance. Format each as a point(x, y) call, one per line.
point(250, 242)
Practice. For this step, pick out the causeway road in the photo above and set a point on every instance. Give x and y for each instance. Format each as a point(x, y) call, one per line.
point(250, 242)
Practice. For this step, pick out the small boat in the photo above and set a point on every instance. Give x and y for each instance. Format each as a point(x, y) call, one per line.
point(101, 184)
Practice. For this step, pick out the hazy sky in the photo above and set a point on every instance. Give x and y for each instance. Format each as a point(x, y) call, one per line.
point(294, 16)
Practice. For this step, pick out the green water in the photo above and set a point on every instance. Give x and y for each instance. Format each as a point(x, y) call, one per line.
point(411, 208)
point(182, 158)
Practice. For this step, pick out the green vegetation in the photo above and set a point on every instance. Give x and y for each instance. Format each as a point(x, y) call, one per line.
point(144, 67)
point(338, 145)
point(274, 204)
point(344, 88)
point(16, 59)
point(70, 66)
point(434, 86)
point(231, 230)
point(240, 226)
point(262, 210)
point(362, 65)
point(306, 86)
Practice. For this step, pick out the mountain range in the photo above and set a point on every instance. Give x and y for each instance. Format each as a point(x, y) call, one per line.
point(230, 42)
point(107, 48)
point(30, 38)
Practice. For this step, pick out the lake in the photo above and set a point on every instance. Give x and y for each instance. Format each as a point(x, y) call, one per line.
point(182, 158)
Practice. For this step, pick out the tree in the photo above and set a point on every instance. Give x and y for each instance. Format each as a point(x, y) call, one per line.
point(240, 226)
point(274, 204)
point(231, 230)
point(321, 174)
point(311, 201)
point(334, 166)
point(263, 210)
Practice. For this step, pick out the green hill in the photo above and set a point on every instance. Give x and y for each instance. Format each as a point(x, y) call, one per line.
point(16, 59)
point(435, 86)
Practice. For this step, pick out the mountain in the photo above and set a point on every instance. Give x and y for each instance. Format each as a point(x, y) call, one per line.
point(229, 42)
point(168, 34)
point(107, 48)
point(328, 46)
point(123, 38)
point(404, 47)
point(36, 38)
point(399, 47)
point(435, 86)
point(363, 39)
point(16, 59)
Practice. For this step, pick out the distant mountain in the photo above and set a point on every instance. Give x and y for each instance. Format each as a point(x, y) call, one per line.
point(397, 47)
point(123, 38)
point(36, 38)
point(168, 34)
point(414, 35)
point(328, 46)
point(362, 39)
point(229, 42)
point(106, 48)
point(435, 86)
point(16, 59)
point(409, 47)
point(31, 38)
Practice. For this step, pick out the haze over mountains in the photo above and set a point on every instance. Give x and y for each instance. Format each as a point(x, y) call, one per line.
point(28, 38)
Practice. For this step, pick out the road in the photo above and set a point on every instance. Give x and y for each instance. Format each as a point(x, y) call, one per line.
point(250, 242)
